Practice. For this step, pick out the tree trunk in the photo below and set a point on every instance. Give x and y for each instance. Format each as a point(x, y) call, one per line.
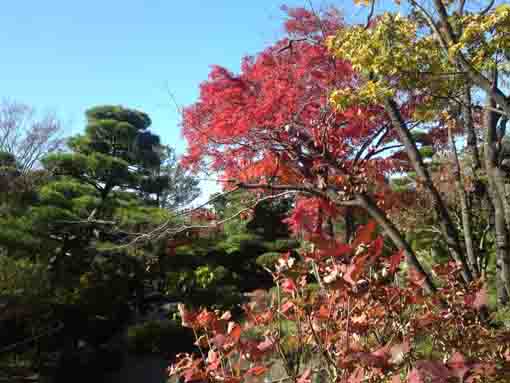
point(469, 131)
point(447, 227)
point(349, 224)
point(497, 194)
point(380, 217)
point(465, 209)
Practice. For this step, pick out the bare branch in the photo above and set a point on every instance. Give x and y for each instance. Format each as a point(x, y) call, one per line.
point(26, 136)
point(370, 14)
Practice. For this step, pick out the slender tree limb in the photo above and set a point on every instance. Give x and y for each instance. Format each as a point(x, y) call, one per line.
point(397, 238)
point(449, 231)
point(466, 217)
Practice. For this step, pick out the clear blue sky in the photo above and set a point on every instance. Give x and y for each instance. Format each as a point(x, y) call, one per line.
point(67, 56)
point(71, 55)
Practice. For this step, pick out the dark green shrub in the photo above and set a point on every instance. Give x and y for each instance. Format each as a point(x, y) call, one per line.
point(268, 259)
point(159, 337)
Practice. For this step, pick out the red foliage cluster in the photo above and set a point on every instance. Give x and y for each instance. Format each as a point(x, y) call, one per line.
point(201, 215)
point(362, 322)
point(273, 119)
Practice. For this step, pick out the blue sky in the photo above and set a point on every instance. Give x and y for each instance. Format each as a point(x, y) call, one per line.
point(66, 56)
point(70, 55)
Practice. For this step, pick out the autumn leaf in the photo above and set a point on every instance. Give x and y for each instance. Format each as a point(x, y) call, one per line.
point(287, 306)
point(357, 376)
point(376, 248)
point(219, 340)
point(429, 371)
point(288, 285)
point(323, 312)
point(395, 261)
point(355, 269)
point(205, 318)
point(194, 374)
point(458, 365)
point(477, 300)
point(365, 234)
point(234, 332)
point(415, 277)
point(213, 360)
point(306, 377)
point(265, 345)
point(399, 351)
point(187, 317)
point(256, 371)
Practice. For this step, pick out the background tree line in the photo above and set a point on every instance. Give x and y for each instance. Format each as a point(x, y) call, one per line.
point(73, 275)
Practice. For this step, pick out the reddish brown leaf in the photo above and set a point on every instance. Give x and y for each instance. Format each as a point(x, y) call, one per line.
point(427, 371)
point(205, 318)
point(365, 234)
point(376, 249)
point(355, 269)
point(395, 261)
point(458, 365)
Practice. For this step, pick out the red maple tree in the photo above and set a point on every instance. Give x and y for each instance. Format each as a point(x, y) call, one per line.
point(271, 128)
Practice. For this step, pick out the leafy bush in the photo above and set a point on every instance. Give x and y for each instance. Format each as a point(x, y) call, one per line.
point(268, 259)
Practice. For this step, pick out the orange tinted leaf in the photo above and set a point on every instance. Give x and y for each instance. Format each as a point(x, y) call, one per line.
point(355, 269)
point(365, 233)
point(256, 371)
point(323, 312)
point(205, 318)
point(234, 332)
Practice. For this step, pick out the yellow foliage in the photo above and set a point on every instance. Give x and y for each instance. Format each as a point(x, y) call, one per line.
point(482, 36)
point(390, 54)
